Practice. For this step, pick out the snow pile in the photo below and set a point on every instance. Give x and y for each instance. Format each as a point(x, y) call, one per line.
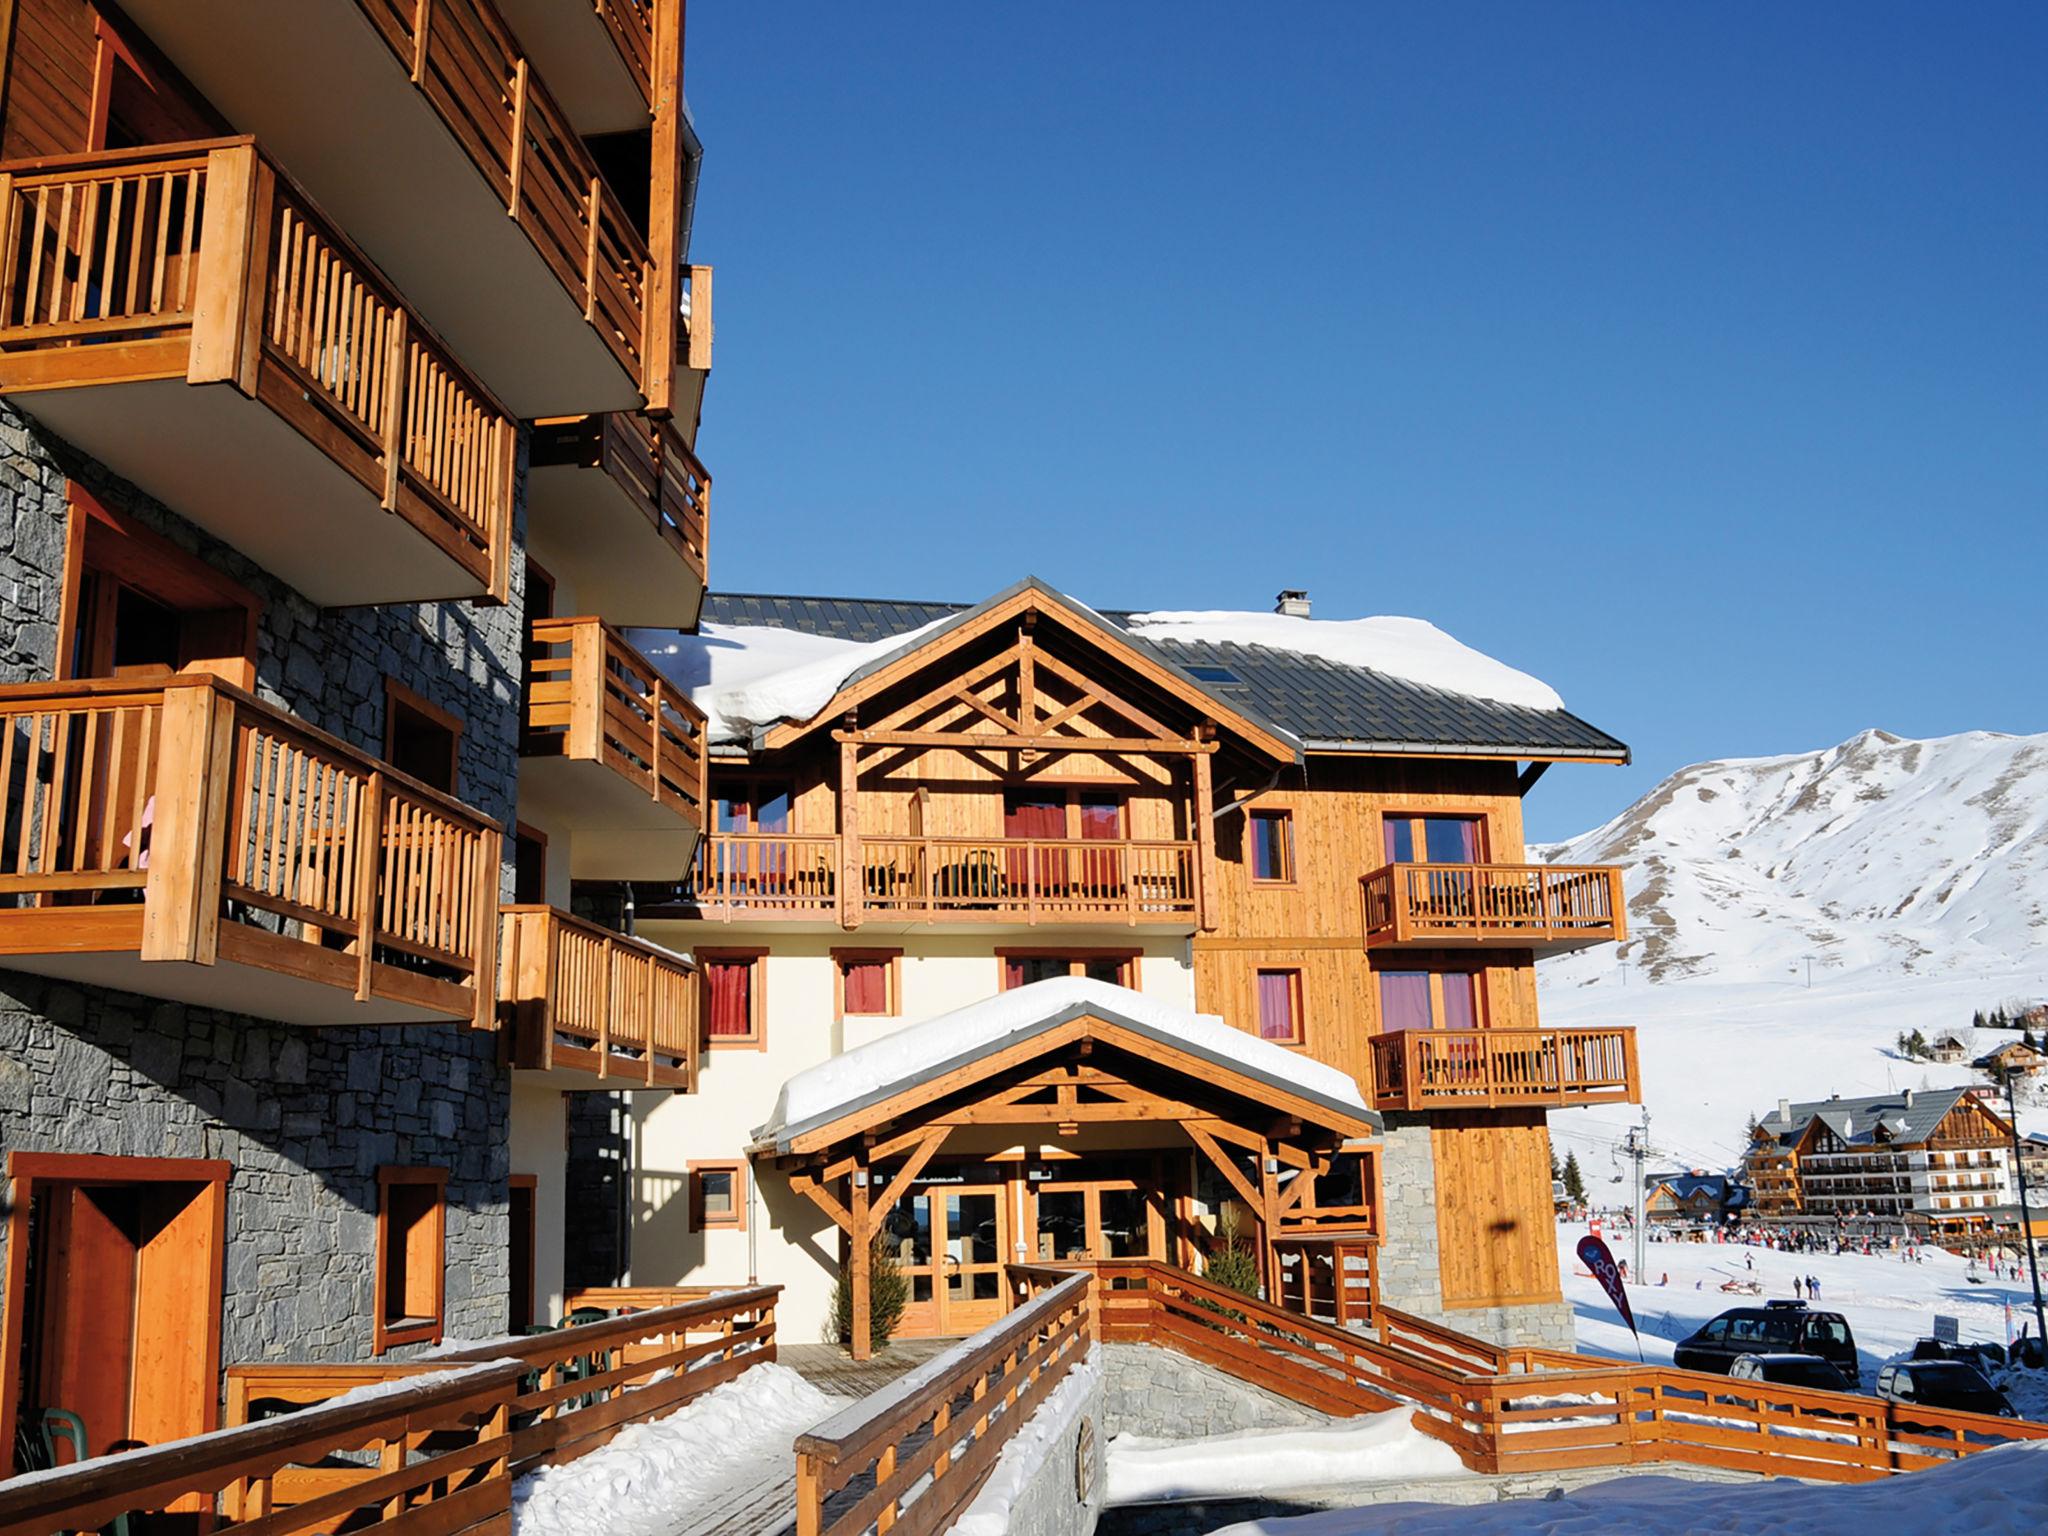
point(1911, 874)
point(913, 1053)
point(728, 1442)
point(1998, 1493)
point(1406, 648)
point(1378, 1447)
point(748, 676)
point(1025, 1452)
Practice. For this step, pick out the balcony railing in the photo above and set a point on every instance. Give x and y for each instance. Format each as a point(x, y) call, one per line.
point(1417, 1069)
point(578, 998)
point(599, 57)
point(1550, 908)
point(946, 879)
point(244, 858)
point(619, 508)
point(201, 264)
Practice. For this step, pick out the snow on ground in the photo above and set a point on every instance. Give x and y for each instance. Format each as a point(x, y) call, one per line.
point(1024, 1452)
point(726, 1442)
point(1380, 1447)
point(1407, 648)
point(913, 1053)
point(1887, 1304)
point(1998, 1493)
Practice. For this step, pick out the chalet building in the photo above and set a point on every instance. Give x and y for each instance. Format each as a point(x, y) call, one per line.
point(2018, 1058)
point(350, 372)
point(1949, 1049)
point(1934, 1157)
point(984, 883)
point(1695, 1199)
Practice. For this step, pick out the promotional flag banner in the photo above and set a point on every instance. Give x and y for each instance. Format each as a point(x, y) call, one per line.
point(1594, 1254)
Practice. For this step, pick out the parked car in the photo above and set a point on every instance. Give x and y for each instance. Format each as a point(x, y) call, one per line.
point(1780, 1328)
point(1790, 1370)
point(1985, 1357)
point(1942, 1384)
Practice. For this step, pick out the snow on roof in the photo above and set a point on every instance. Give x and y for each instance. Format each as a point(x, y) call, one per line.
point(871, 1072)
point(1407, 648)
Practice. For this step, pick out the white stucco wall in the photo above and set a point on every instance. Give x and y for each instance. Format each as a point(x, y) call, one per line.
point(788, 1240)
point(540, 1147)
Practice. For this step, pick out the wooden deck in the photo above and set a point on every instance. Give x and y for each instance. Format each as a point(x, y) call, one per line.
point(831, 1369)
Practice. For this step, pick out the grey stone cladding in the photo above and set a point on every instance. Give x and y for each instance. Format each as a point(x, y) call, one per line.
point(305, 1116)
point(1163, 1394)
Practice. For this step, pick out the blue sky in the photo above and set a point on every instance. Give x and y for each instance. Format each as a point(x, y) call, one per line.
point(1693, 358)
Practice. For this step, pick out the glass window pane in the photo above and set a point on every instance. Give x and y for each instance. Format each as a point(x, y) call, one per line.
point(1271, 839)
point(716, 1191)
point(731, 987)
point(1125, 1232)
point(1398, 835)
point(771, 812)
point(1450, 839)
point(1062, 1225)
point(733, 812)
point(1102, 816)
point(1461, 1000)
point(1279, 1017)
point(1109, 970)
point(971, 1228)
point(1404, 1000)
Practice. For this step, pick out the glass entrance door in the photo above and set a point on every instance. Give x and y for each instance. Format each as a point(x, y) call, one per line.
point(1098, 1219)
point(949, 1241)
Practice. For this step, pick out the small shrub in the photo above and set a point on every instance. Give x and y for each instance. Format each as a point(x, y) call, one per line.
point(1231, 1263)
point(888, 1295)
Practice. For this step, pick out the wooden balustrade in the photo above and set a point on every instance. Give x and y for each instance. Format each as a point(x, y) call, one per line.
point(1330, 1276)
point(657, 487)
point(592, 698)
point(1414, 1069)
point(424, 1455)
point(188, 821)
point(948, 879)
point(1550, 908)
point(204, 263)
point(580, 998)
point(911, 1458)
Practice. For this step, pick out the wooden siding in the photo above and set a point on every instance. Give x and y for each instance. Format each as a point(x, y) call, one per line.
point(51, 57)
point(1493, 1208)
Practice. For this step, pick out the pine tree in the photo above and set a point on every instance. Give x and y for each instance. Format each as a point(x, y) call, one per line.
point(888, 1295)
point(1231, 1264)
point(1574, 1181)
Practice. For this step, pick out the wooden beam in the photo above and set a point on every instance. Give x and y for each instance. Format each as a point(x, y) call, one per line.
point(861, 1240)
point(1018, 741)
point(807, 1184)
point(1216, 1155)
point(912, 1167)
point(852, 886)
point(962, 696)
point(1205, 847)
point(1027, 677)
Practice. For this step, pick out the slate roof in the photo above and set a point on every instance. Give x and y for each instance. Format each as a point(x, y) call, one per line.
point(1330, 707)
point(1718, 1187)
point(1855, 1120)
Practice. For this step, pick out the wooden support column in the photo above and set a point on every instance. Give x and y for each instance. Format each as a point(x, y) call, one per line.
point(182, 891)
point(861, 1259)
point(221, 295)
point(851, 886)
point(1205, 841)
point(665, 214)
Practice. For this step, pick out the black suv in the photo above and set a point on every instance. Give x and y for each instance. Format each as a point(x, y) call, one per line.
point(1942, 1384)
point(1779, 1328)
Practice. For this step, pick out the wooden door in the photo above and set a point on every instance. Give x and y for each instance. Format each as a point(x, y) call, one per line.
point(949, 1241)
point(521, 1197)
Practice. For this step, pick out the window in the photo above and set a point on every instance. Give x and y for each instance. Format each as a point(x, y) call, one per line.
point(1213, 674)
point(1437, 999)
point(529, 866)
point(1021, 967)
point(1272, 835)
point(760, 805)
point(411, 1229)
point(1280, 1007)
point(868, 981)
point(718, 1197)
point(733, 1014)
point(1432, 839)
point(420, 739)
point(522, 1195)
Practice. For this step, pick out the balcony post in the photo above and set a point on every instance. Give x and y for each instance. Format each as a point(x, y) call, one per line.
point(368, 831)
point(483, 974)
point(664, 311)
point(1205, 842)
point(395, 396)
point(220, 299)
point(182, 892)
point(586, 692)
point(852, 888)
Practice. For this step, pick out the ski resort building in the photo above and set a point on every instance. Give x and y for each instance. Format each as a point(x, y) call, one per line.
point(350, 370)
point(1938, 1159)
point(990, 887)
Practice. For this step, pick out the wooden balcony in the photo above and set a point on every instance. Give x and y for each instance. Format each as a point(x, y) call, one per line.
point(1420, 1069)
point(612, 752)
point(592, 1008)
point(914, 880)
point(184, 840)
point(1548, 908)
point(425, 127)
point(598, 55)
point(188, 317)
point(618, 509)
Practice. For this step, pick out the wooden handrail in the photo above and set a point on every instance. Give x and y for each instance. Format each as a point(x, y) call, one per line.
point(577, 995)
point(652, 465)
point(453, 1486)
point(922, 1447)
point(1532, 903)
point(213, 262)
point(592, 697)
point(1418, 1068)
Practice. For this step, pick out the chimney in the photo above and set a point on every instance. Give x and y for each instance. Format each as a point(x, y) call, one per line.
point(1784, 1109)
point(1293, 603)
point(1909, 1098)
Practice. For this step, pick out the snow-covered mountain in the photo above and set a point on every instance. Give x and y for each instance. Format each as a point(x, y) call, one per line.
point(1908, 878)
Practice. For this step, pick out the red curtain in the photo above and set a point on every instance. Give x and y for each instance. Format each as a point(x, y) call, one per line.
point(867, 986)
point(730, 983)
point(1025, 817)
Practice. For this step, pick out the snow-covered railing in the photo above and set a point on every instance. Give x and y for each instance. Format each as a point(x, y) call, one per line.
point(1550, 907)
point(910, 1457)
point(422, 1451)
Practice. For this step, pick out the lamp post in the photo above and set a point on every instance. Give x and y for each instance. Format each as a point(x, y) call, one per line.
point(2019, 1173)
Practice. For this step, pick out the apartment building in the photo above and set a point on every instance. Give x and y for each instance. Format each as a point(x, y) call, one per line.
point(982, 885)
point(1939, 1158)
point(350, 371)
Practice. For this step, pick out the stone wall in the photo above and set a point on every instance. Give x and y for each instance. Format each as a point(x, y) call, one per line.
point(305, 1116)
point(1050, 1479)
point(1163, 1394)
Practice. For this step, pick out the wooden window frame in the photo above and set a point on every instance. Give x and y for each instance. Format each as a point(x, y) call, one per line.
point(24, 1171)
point(396, 697)
point(1417, 815)
point(1285, 814)
point(1437, 965)
point(1299, 999)
point(694, 1172)
point(757, 997)
point(893, 986)
point(1076, 960)
point(383, 1334)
